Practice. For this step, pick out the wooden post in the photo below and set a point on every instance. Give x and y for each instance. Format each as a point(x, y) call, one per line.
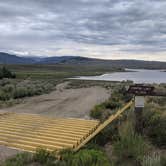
point(139, 105)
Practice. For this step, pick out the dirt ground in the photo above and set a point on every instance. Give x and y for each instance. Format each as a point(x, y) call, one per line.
point(75, 103)
point(6, 152)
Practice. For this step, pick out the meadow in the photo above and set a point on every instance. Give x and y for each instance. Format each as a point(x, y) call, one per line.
point(59, 71)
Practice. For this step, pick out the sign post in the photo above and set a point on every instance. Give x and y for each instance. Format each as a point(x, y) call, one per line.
point(139, 105)
point(139, 91)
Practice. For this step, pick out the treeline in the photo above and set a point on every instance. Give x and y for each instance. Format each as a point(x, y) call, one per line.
point(5, 73)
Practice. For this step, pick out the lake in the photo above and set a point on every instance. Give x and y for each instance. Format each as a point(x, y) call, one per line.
point(135, 75)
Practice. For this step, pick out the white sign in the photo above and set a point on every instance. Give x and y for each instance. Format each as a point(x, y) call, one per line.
point(139, 101)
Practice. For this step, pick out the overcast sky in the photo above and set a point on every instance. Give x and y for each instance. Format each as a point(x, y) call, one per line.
point(111, 29)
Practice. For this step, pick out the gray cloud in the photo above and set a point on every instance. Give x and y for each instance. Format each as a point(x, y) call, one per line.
point(122, 27)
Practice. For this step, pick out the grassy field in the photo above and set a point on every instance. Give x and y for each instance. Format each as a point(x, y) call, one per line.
point(58, 71)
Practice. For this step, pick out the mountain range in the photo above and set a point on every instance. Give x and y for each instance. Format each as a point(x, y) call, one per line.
point(6, 58)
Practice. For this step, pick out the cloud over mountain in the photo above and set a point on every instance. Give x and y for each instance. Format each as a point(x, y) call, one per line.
point(95, 28)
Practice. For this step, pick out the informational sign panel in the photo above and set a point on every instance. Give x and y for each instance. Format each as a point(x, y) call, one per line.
point(144, 90)
point(141, 90)
point(139, 101)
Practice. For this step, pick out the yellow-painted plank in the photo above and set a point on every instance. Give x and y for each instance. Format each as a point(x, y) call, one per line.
point(37, 117)
point(60, 123)
point(46, 132)
point(29, 131)
point(50, 126)
point(104, 124)
point(39, 140)
point(42, 136)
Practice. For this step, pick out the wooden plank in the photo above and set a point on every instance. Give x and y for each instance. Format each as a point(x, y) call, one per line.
point(28, 131)
point(103, 125)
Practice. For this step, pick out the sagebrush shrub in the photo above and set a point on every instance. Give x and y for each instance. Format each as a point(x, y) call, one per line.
point(154, 122)
point(130, 144)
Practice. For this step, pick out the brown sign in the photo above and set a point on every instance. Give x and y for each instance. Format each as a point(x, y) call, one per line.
point(141, 90)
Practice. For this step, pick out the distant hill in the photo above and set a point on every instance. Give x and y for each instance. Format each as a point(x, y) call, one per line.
point(63, 59)
point(6, 58)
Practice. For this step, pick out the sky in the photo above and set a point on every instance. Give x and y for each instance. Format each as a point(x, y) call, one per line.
point(107, 29)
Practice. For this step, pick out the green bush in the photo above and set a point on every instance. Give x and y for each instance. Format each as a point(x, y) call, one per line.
point(5, 81)
point(91, 158)
point(8, 88)
point(130, 144)
point(5, 73)
point(4, 96)
point(153, 159)
point(44, 157)
point(117, 99)
point(155, 126)
point(20, 92)
point(158, 100)
point(97, 112)
point(16, 89)
point(110, 133)
point(105, 109)
point(163, 160)
point(112, 104)
point(21, 159)
point(92, 145)
point(85, 157)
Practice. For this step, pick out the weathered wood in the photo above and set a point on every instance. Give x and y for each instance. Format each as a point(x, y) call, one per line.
point(145, 90)
point(28, 132)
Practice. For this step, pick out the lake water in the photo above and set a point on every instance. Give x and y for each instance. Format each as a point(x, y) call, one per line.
point(135, 75)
